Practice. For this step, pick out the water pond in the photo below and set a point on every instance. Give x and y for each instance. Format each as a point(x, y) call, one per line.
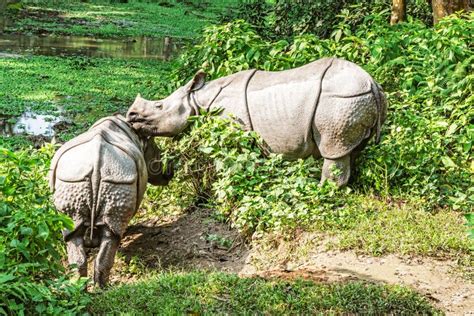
point(51, 45)
point(29, 123)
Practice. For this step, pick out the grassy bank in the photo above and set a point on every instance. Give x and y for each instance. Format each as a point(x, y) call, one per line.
point(217, 293)
point(106, 19)
point(84, 89)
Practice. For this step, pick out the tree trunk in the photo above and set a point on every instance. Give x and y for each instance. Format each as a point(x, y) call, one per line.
point(399, 10)
point(442, 8)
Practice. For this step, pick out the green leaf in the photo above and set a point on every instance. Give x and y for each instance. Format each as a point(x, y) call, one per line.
point(6, 277)
point(448, 162)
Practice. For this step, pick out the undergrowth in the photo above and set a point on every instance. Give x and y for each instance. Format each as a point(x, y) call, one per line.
point(411, 181)
point(228, 170)
point(32, 278)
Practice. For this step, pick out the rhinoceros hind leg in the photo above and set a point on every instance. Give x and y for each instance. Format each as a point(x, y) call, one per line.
point(337, 170)
point(76, 254)
point(354, 155)
point(105, 258)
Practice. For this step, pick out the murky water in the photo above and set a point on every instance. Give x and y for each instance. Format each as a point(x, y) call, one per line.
point(29, 123)
point(51, 45)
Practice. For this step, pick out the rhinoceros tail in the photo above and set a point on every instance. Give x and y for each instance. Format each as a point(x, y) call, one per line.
point(381, 102)
point(89, 240)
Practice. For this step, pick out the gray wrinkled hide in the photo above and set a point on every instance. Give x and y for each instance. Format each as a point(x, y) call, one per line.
point(329, 108)
point(99, 179)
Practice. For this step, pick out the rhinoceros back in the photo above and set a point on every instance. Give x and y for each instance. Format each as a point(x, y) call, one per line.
point(96, 181)
point(327, 107)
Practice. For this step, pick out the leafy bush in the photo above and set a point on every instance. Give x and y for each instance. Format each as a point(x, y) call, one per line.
point(231, 170)
point(254, 12)
point(32, 278)
point(428, 76)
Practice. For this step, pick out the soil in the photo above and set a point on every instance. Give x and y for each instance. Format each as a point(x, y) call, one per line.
point(195, 240)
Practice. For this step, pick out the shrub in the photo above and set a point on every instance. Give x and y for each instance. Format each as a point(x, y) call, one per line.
point(32, 279)
point(254, 190)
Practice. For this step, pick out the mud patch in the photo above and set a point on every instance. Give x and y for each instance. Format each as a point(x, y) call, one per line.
point(191, 241)
point(435, 279)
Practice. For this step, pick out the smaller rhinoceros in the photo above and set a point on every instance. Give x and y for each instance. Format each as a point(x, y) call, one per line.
point(99, 179)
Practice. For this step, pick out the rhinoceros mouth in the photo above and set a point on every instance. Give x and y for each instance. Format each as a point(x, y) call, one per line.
point(136, 120)
point(142, 128)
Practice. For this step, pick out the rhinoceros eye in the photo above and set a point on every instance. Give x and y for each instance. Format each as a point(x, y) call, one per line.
point(158, 105)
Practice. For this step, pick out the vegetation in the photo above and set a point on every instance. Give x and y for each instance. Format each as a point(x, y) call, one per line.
point(113, 18)
point(218, 293)
point(258, 192)
point(426, 149)
point(417, 183)
point(32, 278)
point(286, 19)
point(83, 88)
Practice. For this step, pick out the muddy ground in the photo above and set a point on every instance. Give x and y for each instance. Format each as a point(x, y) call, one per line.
point(195, 240)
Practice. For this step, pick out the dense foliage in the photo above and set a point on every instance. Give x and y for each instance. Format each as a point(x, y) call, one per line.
point(290, 18)
point(228, 170)
point(32, 278)
point(426, 150)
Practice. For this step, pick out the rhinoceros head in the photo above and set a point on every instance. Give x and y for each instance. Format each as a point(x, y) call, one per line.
point(166, 117)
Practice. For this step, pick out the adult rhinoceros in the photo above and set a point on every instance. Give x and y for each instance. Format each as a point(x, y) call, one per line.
point(330, 108)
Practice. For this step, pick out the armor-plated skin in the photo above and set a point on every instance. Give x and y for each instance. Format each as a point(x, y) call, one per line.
point(99, 179)
point(328, 108)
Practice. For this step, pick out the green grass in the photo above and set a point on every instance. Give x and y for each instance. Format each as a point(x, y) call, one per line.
point(405, 229)
point(86, 89)
point(218, 293)
point(101, 18)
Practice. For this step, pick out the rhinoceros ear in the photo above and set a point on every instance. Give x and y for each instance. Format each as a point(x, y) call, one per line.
point(198, 81)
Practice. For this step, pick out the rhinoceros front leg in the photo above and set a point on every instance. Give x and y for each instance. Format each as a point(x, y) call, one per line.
point(337, 170)
point(105, 258)
point(76, 253)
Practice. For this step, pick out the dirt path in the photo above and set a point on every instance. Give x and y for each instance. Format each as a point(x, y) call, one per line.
point(196, 241)
point(432, 278)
